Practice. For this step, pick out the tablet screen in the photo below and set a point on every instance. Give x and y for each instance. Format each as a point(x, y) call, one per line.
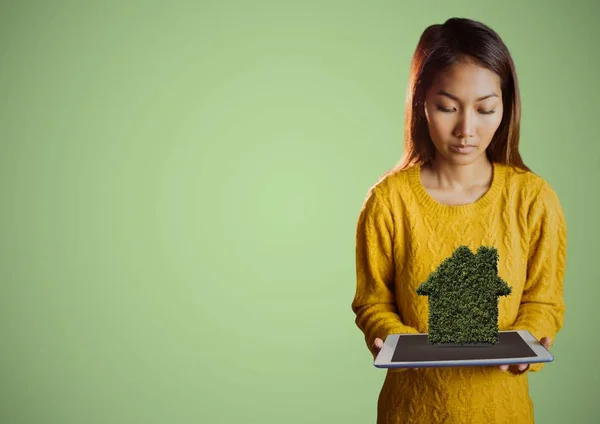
point(417, 349)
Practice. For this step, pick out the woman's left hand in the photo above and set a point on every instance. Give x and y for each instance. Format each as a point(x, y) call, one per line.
point(519, 368)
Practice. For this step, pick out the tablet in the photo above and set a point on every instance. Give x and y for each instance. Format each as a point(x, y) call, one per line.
point(414, 351)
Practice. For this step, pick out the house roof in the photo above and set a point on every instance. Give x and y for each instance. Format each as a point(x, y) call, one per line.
point(466, 273)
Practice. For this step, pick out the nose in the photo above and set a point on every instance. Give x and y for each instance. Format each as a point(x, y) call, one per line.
point(465, 127)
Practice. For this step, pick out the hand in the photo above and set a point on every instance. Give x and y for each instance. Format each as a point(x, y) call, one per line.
point(519, 368)
point(377, 345)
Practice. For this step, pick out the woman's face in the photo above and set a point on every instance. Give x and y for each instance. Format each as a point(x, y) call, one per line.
point(463, 109)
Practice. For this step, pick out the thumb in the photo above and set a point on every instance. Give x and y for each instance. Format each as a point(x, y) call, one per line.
point(545, 341)
point(378, 344)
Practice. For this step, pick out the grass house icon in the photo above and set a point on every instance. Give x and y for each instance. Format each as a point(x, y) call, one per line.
point(463, 298)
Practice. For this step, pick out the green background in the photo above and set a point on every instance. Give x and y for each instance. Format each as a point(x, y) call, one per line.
point(180, 185)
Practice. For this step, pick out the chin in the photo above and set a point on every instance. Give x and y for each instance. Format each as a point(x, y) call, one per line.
point(463, 159)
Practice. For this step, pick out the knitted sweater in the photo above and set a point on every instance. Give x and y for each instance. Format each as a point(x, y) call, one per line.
point(402, 236)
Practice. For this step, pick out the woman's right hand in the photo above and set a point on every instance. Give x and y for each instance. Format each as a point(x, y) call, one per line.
point(377, 345)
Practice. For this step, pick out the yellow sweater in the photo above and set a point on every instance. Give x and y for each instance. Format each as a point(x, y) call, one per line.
point(402, 236)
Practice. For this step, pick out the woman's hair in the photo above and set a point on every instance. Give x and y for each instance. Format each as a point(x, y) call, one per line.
point(441, 46)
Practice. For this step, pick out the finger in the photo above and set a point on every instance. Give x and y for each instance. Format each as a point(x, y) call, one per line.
point(503, 367)
point(545, 341)
point(378, 344)
point(523, 367)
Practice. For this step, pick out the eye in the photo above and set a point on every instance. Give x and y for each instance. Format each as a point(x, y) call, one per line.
point(450, 110)
point(443, 109)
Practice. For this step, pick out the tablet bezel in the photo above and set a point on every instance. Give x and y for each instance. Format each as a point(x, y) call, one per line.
point(384, 358)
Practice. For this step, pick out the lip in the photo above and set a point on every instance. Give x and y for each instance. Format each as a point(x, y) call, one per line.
point(462, 149)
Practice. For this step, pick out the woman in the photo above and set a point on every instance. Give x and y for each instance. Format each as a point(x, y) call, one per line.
point(461, 182)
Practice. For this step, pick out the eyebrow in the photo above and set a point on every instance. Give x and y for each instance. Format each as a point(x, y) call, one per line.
point(453, 97)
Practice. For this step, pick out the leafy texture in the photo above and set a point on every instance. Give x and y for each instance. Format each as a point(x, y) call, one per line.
point(463, 297)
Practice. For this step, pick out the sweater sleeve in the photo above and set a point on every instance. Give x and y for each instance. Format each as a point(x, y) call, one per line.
point(542, 306)
point(374, 303)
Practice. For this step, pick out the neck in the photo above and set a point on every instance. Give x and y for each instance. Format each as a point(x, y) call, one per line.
point(461, 177)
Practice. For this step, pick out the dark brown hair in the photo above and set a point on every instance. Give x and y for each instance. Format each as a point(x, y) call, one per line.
point(443, 45)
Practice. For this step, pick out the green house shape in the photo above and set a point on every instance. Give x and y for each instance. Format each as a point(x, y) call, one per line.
point(463, 298)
